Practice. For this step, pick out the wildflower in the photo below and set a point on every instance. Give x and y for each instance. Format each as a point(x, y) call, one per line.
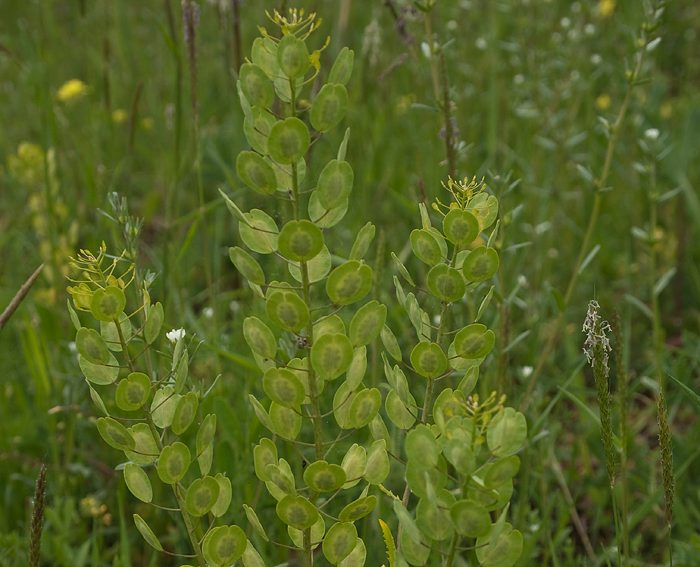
point(651, 134)
point(147, 123)
point(603, 102)
point(71, 90)
point(175, 335)
point(119, 116)
point(606, 8)
point(208, 312)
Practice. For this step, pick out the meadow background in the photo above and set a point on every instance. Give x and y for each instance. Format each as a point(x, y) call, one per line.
point(532, 83)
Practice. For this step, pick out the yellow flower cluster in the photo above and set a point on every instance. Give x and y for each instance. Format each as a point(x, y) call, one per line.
point(71, 90)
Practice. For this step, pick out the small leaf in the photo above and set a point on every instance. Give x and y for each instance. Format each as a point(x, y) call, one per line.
point(421, 448)
point(259, 232)
point(255, 522)
point(147, 533)
point(507, 432)
point(138, 482)
point(470, 518)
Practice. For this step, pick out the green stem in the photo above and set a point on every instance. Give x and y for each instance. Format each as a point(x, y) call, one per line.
point(308, 552)
point(453, 550)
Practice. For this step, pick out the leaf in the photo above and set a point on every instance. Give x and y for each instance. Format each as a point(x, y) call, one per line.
point(363, 240)
point(589, 258)
point(389, 543)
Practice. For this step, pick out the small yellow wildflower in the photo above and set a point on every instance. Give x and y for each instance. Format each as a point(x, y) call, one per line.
point(147, 123)
point(71, 90)
point(119, 116)
point(606, 8)
point(603, 102)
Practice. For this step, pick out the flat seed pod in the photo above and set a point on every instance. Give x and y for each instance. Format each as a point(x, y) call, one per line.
point(358, 509)
point(297, 512)
point(259, 232)
point(147, 533)
point(256, 85)
point(263, 53)
point(107, 304)
point(201, 496)
point(500, 548)
point(316, 536)
point(331, 355)
point(100, 373)
point(357, 369)
point(264, 453)
point(261, 413)
point(251, 557)
point(434, 520)
point(205, 433)
point(460, 227)
point(115, 434)
point(428, 359)
point(283, 386)
point(474, 341)
point(137, 482)
point(326, 218)
point(247, 265)
point(293, 56)
point(257, 127)
point(390, 343)
point(329, 107)
point(481, 264)
point(163, 406)
point(502, 471)
point(321, 476)
point(399, 414)
point(185, 412)
point(378, 466)
point(446, 283)
point(224, 545)
point(133, 391)
point(281, 476)
point(154, 323)
point(367, 323)
point(339, 542)
point(223, 501)
point(418, 479)
point(300, 240)
point(470, 518)
point(413, 552)
point(354, 463)
point(329, 325)
point(506, 433)
point(425, 246)
point(256, 173)
point(317, 268)
point(288, 310)
point(421, 447)
point(342, 400)
point(335, 183)
point(364, 407)
point(92, 346)
point(97, 400)
point(145, 450)
point(342, 67)
point(457, 449)
point(363, 240)
point(284, 174)
point(485, 208)
point(285, 421)
point(173, 462)
point(259, 337)
point(300, 368)
point(349, 282)
point(288, 140)
point(254, 521)
point(357, 557)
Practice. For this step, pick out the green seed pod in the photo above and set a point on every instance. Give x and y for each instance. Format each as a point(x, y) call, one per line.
point(288, 310)
point(256, 127)
point(334, 183)
point(425, 246)
point(317, 268)
point(470, 518)
point(259, 231)
point(331, 355)
point(201, 496)
point(283, 386)
point(288, 140)
point(342, 67)
point(357, 557)
point(358, 509)
point(185, 412)
point(421, 447)
point(399, 413)
point(223, 501)
point(92, 346)
point(263, 53)
point(147, 533)
point(107, 304)
point(264, 453)
point(259, 337)
point(293, 56)
point(460, 227)
point(173, 462)
point(316, 534)
point(364, 407)
point(323, 217)
point(349, 282)
point(256, 85)
point(481, 264)
point(354, 463)
point(137, 482)
point(145, 450)
point(446, 283)
point(248, 266)
point(154, 322)
point(224, 545)
point(339, 542)
point(285, 421)
point(507, 433)
point(300, 240)
point(433, 516)
point(428, 359)
point(329, 107)
point(256, 173)
point(378, 466)
point(474, 341)
point(322, 476)
point(133, 391)
point(363, 240)
point(367, 323)
point(297, 512)
point(485, 208)
point(115, 434)
point(500, 547)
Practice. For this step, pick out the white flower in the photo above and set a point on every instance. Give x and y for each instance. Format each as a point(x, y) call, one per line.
point(72, 347)
point(481, 43)
point(526, 371)
point(175, 335)
point(652, 134)
point(208, 312)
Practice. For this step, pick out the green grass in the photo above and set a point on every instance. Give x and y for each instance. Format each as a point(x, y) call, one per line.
point(526, 79)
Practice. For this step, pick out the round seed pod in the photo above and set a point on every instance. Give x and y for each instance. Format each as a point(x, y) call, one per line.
point(293, 56)
point(300, 240)
point(446, 283)
point(256, 85)
point(288, 140)
point(256, 173)
point(481, 264)
point(329, 107)
point(460, 227)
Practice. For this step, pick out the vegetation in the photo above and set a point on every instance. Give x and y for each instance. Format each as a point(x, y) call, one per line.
point(303, 285)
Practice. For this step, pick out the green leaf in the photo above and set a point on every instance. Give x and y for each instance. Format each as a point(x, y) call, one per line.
point(331, 355)
point(107, 304)
point(300, 240)
point(201, 496)
point(297, 512)
point(506, 433)
point(154, 323)
point(259, 232)
point(470, 518)
point(163, 406)
point(358, 509)
point(362, 242)
point(329, 107)
point(115, 434)
point(425, 246)
point(406, 521)
point(293, 56)
point(334, 183)
point(474, 341)
point(137, 482)
point(283, 387)
point(247, 265)
point(288, 140)
point(259, 337)
point(288, 310)
point(339, 542)
point(173, 462)
point(256, 85)
point(349, 282)
point(342, 67)
point(255, 522)
point(223, 501)
point(281, 476)
point(97, 400)
point(133, 391)
point(481, 264)
point(390, 343)
point(421, 447)
point(367, 323)
point(321, 476)
point(185, 412)
point(147, 533)
point(460, 227)
point(446, 283)
point(224, 545)
point(428, 359)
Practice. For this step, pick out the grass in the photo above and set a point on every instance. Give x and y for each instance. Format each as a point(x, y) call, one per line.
point(529, 82)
